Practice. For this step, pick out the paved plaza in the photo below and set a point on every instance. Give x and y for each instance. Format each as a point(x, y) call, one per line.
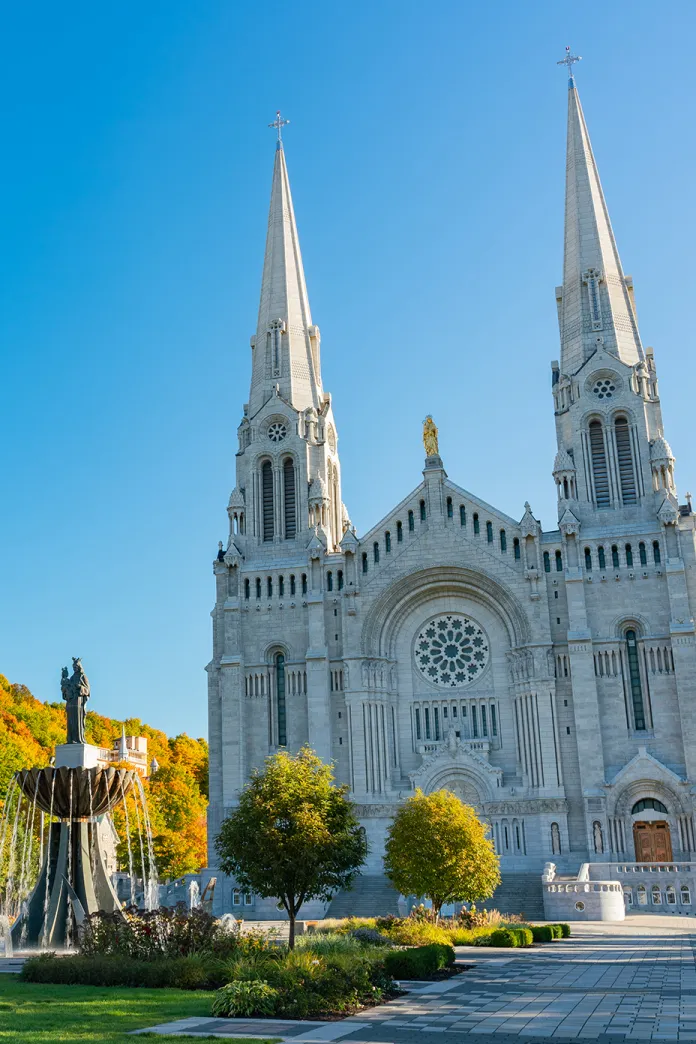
point(634, 981)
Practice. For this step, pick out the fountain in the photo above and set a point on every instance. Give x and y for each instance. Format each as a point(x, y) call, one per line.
point(71, 797)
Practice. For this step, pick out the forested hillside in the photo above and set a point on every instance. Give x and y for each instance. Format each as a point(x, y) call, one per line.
point(177, 793)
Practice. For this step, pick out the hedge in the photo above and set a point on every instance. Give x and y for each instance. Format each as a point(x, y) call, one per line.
point(543, 932)
point(420, 962)
point(183, 973)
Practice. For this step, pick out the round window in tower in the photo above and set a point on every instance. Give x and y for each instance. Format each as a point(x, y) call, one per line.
point(452, 651)
point(604, 388)
point(277, 431)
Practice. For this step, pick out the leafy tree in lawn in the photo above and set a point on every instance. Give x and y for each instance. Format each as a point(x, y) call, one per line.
point(438, 848)
point(293, 835)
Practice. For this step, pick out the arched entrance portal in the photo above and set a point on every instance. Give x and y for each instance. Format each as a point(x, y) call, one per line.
point(652, 840)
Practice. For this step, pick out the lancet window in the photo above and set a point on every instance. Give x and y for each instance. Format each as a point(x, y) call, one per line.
point(289, 501)
point(600, 472)
point(267, 500)
point(624, 456)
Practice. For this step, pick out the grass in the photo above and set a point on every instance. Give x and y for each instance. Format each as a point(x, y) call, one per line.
point(38, 1014)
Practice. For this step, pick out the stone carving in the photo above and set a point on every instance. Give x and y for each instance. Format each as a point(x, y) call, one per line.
point(549, 872)
point(430, 437)
point(375, 811)
point(597, 838)
point(555, 839)
point(75, 691)
point(510, 808)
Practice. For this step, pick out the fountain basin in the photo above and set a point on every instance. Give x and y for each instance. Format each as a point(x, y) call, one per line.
point(75, 793)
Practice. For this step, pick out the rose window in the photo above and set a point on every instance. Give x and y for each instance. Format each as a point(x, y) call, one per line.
point(277, 432)
point(604, 388)
point(452, 651)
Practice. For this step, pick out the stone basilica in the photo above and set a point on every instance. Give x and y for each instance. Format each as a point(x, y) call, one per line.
point(547, 678)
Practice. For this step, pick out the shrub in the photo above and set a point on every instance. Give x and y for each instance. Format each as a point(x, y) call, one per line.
point(167, 932)
point(524, 936)
point(504, 937)
point(557, 931)
point(183, 973)
point(565, 930)
point(329, 943)
point(370, 936)
point(245, 999)
point(474, 918)
point(420, 962)
point(543, 932)
point(342, 925)
point(461, 936)
point(410, 932)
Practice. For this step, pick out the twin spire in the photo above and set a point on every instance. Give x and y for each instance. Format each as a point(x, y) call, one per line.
point(595, 303)
point(286, 346)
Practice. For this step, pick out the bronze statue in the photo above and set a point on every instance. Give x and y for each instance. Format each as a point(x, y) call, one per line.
point(75, 691)
point(430, 437)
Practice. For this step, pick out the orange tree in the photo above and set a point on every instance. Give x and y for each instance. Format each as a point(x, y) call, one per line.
point(437, 848)
point(294, 834)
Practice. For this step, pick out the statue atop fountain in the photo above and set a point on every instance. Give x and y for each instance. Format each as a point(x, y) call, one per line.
point(74, 794)
point(75, 692)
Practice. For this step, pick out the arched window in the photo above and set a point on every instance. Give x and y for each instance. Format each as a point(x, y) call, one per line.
point(375, 551)
point(489, 532)
point(656, 895)
point(247, 587)
point(624, 456)
point(599, 464)
point(555, 839)
point(685, 895)
point(292, 583)
point(387, 542)
point(588, 560)
point(629, 556)
point(503, 540)
point(547, 561)
point(516, 548)
point(615, 556)
point(280, 700)
point(411, 524)
point(340, 579)
point(329, 581)
point(641, 895)
point(559, 562)
point(364, 562)
point(399, 533)
point(304, 583)
point(642, 554)
point(422, 511)
point(289, 499)
point(269, 586)
point(258, 586)
point(281, 586)
point(267, 499)
point(634, 679)
point(450, 510)
point(649, 805)
point(602, 558)
point(477, 527)
point(656, 552)
point(462, 515)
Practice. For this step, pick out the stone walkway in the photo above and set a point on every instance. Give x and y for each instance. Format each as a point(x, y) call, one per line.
point(607, 983)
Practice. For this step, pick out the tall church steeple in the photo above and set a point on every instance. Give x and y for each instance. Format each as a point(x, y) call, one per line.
point(595, 303)
point(286, 345)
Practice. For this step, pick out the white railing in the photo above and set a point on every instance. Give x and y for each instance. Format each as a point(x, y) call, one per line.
point(482, 746)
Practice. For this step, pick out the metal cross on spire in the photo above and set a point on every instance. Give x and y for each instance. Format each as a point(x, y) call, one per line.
point(569, 59)
point(279, 123)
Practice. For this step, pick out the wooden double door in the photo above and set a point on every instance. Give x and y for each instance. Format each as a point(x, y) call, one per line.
point(653, 842)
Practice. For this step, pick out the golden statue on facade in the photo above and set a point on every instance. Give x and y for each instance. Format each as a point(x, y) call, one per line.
point(430, 437)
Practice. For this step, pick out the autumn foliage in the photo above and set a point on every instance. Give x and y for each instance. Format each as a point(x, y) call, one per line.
point(177, 793)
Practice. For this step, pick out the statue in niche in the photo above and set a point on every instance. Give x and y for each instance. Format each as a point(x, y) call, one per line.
point(430, 437)
point(75, 691)
point(597, 837)
point(555, 839)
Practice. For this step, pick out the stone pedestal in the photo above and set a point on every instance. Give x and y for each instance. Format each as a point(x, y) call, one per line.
point(76, 755)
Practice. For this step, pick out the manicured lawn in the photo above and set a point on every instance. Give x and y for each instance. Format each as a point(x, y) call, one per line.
point(38, 1014)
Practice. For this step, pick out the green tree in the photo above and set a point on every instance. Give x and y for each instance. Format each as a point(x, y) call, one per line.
point(293, 835)
point(437, 848)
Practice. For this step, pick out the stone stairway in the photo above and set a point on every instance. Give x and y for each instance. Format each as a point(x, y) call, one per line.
point(370, 896)
point(518, 893)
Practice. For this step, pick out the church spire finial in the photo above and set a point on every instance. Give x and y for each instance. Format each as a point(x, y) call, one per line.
point(595, 302)
point(568, 61)
point(279, 122)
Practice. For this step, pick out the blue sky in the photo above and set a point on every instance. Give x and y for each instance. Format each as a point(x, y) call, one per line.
point(426, 156)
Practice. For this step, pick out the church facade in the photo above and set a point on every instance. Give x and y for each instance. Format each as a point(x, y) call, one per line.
point(546, 677)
